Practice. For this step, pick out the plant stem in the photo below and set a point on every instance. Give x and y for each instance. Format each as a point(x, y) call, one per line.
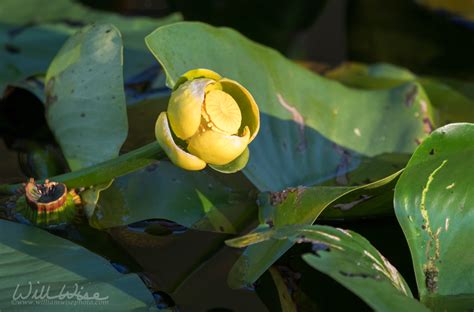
point(105, 171)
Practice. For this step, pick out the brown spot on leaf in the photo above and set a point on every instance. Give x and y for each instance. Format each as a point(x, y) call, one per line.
point(277, 198)
point(431, 277)
point(51, 98)
point(427, 125)
point(362, 275)
point(432, 151)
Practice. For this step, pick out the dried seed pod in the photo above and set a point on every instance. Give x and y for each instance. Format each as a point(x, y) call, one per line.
point(49, 203)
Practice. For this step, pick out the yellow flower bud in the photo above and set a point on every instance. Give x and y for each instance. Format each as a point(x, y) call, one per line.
point(210, 120)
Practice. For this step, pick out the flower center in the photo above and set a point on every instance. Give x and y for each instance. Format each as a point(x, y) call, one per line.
point(221, 112)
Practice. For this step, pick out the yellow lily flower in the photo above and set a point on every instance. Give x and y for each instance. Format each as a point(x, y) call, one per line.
point(210, 120)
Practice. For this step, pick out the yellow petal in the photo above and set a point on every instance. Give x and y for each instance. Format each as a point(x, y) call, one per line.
point(195, 74)
point(223, 111)
point(247, 104)
point(217, 148)
point(184, 108)
point(179, 157)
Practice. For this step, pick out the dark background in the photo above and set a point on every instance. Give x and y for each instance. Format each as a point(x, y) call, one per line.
point(332, 31)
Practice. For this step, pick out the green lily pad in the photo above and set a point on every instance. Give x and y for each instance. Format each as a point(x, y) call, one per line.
point(194, 199)
point(298, 206)
point(85, 98)
point(48, 265)
point(351, 260)
point(312, 129)
point(32, 31)
point(451, 99)
point(434, 205)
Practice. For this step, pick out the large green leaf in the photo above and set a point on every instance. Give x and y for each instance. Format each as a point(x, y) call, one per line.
point(450, 100)
point(32, 31)
point(85, 98)
point(299, 206)
point(193, 199)
point(30, 255)
point(348, 258)
point(434, 202)
point(312, 128)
